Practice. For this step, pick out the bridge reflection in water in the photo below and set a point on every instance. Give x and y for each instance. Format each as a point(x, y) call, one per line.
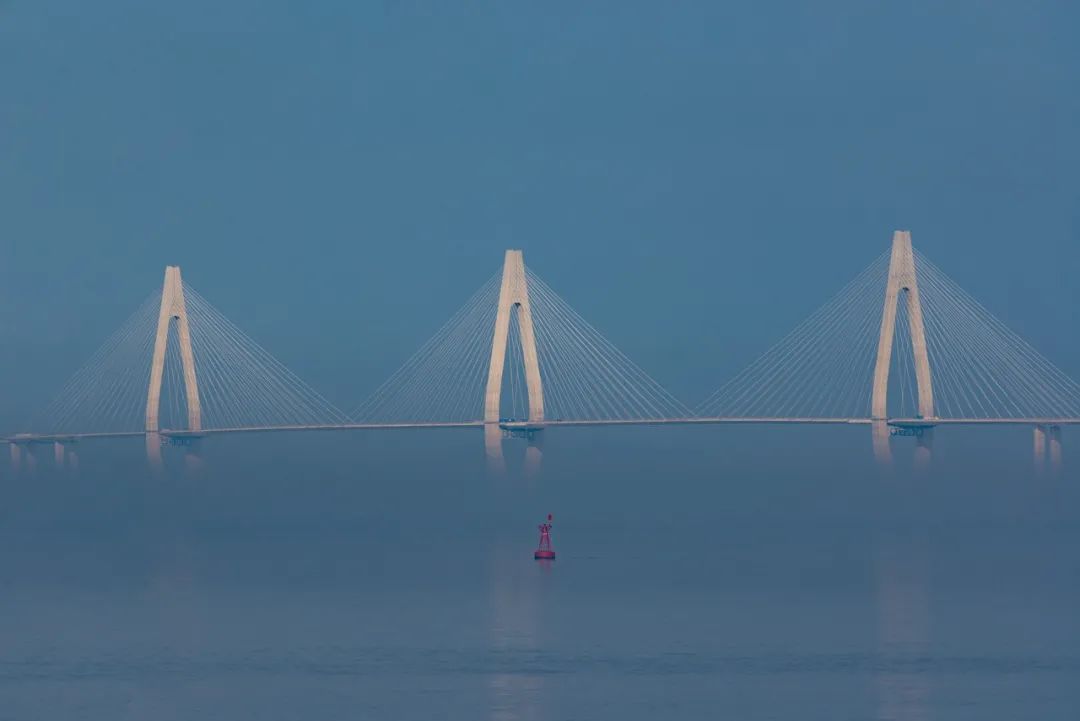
point(517, 618)
point(903, 626)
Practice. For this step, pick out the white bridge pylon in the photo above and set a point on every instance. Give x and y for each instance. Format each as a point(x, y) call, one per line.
point(513, 298)
point(902, 285)
point(173, 308)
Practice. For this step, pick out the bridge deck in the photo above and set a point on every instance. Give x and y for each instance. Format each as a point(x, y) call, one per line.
point(522, 425)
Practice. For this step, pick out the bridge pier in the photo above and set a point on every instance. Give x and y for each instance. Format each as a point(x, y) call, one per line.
point(16, 457)
point(1047, 448)
point(29, 460)
point(64, 454)
point(1039, 448)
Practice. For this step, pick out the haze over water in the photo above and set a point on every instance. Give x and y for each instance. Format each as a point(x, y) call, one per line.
point(313, 578)
point(693, 178)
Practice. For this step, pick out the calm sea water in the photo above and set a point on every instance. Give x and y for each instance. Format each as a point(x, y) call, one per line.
point(694, 580)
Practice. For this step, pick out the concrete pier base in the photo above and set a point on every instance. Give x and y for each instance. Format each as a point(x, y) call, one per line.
point(58, 454)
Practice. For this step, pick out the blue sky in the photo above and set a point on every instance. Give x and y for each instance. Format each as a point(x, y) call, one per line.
point(694, 178)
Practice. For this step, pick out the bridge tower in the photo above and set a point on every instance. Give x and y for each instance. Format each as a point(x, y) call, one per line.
point(513, 297)
point(173, 308)
point(902, 284)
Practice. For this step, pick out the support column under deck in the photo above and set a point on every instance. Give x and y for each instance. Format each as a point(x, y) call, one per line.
point(16, 457)
point(1039, 448)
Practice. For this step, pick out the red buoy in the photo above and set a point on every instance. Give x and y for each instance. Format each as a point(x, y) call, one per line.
point(544, 552)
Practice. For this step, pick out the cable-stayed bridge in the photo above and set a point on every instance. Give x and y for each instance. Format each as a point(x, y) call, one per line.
point(901, 349)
